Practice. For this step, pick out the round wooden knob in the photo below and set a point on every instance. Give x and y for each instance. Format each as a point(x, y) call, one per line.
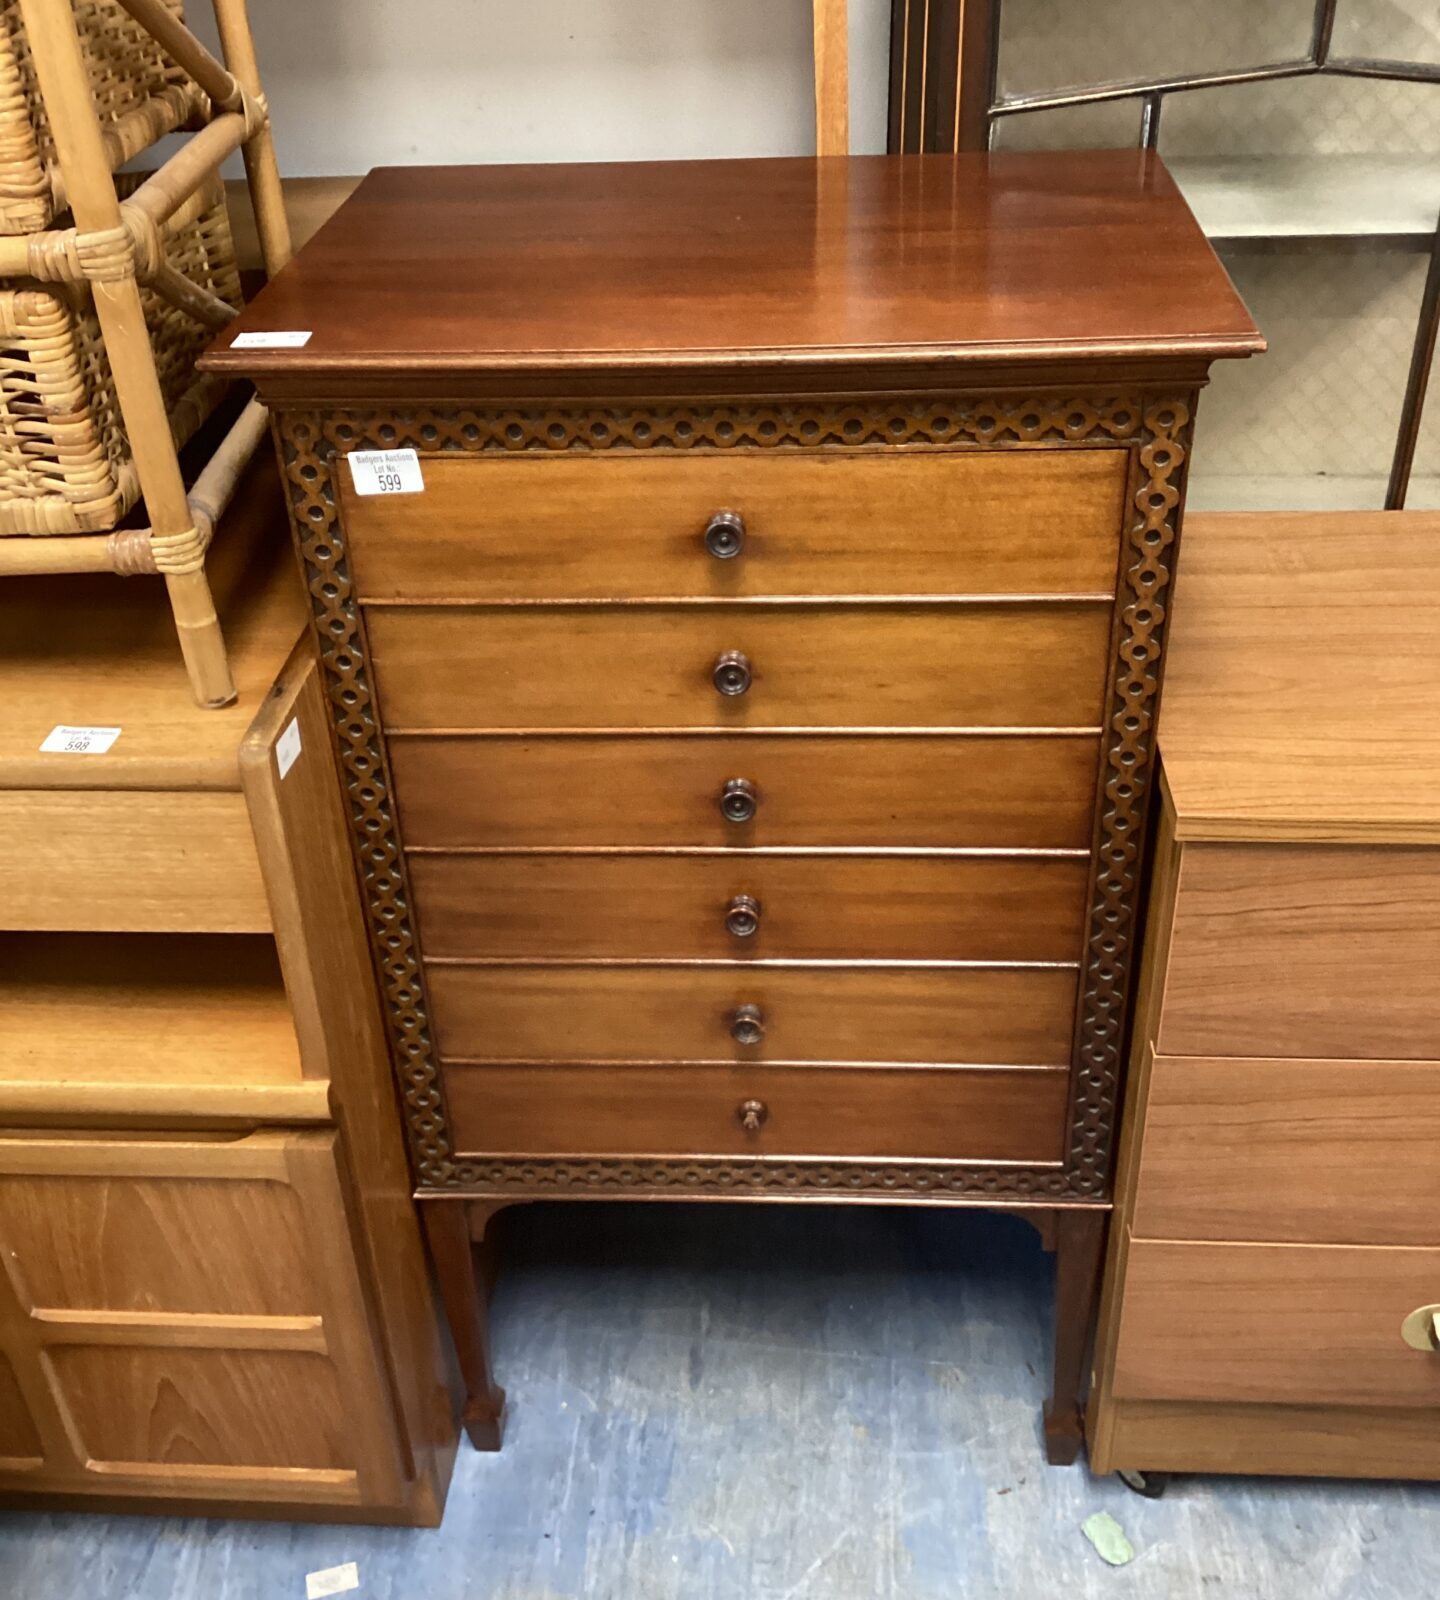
point(739, 800)
point(747, 1025)
point(731, 673)
point(752, 1115)
point(725, 535)
point(742, 917)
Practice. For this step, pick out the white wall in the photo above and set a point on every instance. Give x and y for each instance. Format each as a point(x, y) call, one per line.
point(354, 84)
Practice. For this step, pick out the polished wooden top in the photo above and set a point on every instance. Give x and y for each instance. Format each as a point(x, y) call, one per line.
point(1302, 687)
point(849, 264)
point(87, 651)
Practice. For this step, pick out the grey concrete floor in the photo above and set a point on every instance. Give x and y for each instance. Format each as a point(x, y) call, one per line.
point(772, 1403)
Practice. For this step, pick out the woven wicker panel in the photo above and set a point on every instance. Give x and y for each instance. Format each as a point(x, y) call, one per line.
point(64, 460)
point(139, 96)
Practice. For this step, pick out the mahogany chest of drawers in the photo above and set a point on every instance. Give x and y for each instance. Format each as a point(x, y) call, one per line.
point(745, 693)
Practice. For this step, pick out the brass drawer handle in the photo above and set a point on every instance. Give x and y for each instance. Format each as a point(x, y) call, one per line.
point(731, 674)
point(747, 1025)
point(1421, 1329)
point(739, 800)
point(742, 917)
point(725, 535)
point(752, 1114)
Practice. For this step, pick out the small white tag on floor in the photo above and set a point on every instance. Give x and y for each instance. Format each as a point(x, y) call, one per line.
point(284, 339)
point(385, 471)
point(287, 747)
point(64, 741)
point(333, 1580)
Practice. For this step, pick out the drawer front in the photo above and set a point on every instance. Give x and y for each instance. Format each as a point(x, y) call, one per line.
point(1001, 522)
point(808, 666)
point(1318, 1152)
point(750, 905)
point(938, 1114)
point(679, 1013)
point(1279, 1324)
point(1305, 951)
point(925, 792)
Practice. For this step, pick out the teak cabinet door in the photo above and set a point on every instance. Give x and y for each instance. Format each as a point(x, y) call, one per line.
point(183, 1319)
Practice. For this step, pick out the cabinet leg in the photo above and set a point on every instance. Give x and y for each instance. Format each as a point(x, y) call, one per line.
point(1079, 1248)
point(447, 1231)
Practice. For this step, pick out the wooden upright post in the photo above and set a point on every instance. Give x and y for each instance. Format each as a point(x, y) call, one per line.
point(261, 168)
point(832, 78)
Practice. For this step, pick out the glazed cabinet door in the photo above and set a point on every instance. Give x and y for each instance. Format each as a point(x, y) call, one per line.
point(185, 1319)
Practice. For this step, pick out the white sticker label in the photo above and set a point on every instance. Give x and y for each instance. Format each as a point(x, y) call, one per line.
point(333, 1580)
point(385, 471)
point(287, 747)
point(283, 339)
point(65, 741)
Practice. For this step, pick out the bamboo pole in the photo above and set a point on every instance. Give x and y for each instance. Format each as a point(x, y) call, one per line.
point(15, 255)
point(233, 24)
point(79, 552)
point(167, 189)
point(214, 489)
point(128, 550)
point(186, 51)
point(191, 298)
point(60, 72)
point(832, 78)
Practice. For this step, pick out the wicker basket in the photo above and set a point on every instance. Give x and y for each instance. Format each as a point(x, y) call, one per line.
point(64, 460)
point(139, 96)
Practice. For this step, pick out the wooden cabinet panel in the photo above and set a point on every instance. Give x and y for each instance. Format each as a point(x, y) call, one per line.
point(149, 1411)
point(811, 667)
point(1305, 951)
point(129, 1243)
point(658, 1013)
point(20, 1447)
point(187, 1318)
point(946, 522)
point(810, 907)
point(1319, 1152)
point(922, 791)
point(936, 1113)
point(131, 861)
point(1290, 1441)
point(1299, 1324)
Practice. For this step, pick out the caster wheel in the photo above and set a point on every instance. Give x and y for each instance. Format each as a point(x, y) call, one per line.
point(1149, 1485)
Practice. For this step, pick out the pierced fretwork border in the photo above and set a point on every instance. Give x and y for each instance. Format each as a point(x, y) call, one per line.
point(1155, 426)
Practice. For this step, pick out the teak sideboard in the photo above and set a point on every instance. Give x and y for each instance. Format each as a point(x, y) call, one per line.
point(746, 696)
point(213, 1292)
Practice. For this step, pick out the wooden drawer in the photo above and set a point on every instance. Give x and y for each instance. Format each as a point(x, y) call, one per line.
point(1283, 1324)
point(1319, 1152)
point(818, 907)
point(1305, 951)
point(683, 1013)
point(812, 666)
point(921, 791)
point(941, 522)
point(935, 1114)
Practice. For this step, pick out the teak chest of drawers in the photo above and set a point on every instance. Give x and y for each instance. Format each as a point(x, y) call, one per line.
point(747, 726)
point(1273, 1290)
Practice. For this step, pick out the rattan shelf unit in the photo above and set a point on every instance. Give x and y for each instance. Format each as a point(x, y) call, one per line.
point(114, 284)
